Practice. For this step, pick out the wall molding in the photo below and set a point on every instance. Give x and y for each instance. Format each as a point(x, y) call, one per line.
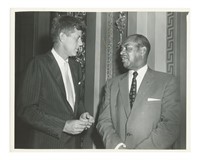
point(171, 41)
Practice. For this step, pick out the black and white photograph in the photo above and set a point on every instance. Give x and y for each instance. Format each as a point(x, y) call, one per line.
point(100, 80)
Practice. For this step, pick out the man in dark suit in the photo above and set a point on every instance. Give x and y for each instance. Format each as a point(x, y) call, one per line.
point(141, 107)
point(51, 99)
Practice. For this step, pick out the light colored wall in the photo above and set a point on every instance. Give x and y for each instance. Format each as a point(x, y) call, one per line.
point(160, 41)
point(97, 63)
point(152, 25)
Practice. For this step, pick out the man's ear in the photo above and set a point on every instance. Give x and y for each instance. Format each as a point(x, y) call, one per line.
point(62, 36)
point(143, 51)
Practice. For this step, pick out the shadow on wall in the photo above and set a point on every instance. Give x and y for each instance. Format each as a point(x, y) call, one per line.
point(44, 45)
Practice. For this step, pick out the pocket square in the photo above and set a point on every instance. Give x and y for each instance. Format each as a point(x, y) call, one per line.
point(153, 99)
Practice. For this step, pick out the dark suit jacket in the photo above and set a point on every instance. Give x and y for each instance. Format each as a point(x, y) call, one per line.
point(43, 105)
point(153, 122)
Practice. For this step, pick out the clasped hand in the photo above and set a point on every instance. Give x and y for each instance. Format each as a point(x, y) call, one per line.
point(77, 126)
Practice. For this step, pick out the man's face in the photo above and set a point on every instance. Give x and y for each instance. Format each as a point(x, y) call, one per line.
point(72, 42)
point(131, 55)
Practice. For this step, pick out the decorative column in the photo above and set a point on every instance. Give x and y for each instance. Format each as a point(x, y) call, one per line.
point(109, 46)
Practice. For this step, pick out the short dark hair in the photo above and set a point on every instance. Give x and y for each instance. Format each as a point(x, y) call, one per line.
point(65, 24)
point(141, 41)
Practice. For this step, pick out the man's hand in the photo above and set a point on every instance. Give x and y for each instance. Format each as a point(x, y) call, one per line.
point(122, 147)
point(75, 126)
point(86, 117)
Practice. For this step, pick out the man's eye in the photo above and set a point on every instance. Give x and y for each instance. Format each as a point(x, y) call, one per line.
point(122, 48)
point(79, 38)
point(129, 48)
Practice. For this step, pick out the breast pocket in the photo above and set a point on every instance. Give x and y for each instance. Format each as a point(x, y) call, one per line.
point(154, 103)
point(153, 111)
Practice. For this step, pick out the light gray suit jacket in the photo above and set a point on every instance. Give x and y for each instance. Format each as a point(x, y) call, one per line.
point(153, 122)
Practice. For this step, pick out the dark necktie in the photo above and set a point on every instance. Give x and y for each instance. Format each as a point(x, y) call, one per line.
point(133, 90)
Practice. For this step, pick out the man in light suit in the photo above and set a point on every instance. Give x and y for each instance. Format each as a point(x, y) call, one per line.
point(147, 117)
point(51, 99)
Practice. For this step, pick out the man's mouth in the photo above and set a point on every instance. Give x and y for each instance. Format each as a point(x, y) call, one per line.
point(78, 50)
point(124, 58)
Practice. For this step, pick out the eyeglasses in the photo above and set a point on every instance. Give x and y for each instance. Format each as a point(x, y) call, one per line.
point(127, 48)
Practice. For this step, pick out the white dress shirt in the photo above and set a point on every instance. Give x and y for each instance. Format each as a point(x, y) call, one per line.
point(141, 72)
point(61, 62)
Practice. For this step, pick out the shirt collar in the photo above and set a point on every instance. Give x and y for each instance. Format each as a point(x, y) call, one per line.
point(58, 58)
point(141, 71)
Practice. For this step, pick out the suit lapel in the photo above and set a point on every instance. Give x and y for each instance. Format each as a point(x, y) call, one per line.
point(144, 87)
point(55, 70)
point(74, 74)
point(123, 85)
point(75, 81)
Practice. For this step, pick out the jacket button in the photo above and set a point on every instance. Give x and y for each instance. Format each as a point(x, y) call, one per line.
point(128, 134)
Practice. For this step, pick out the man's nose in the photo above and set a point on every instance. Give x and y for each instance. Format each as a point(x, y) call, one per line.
point(80, 42)
point(122, 51)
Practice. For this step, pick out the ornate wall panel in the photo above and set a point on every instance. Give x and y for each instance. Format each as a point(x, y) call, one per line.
point(170, 58)
point(116, 29)
point(109, 46)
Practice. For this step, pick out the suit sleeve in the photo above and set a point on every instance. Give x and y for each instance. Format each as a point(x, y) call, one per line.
point(167, 130)
point(28, 106)
point(105, 126)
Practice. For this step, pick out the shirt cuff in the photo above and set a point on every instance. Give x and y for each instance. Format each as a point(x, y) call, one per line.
point(119, 145)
